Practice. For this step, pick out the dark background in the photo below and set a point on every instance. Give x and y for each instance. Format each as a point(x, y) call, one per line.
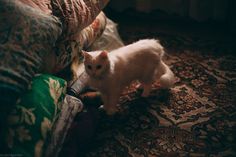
point(207, 17)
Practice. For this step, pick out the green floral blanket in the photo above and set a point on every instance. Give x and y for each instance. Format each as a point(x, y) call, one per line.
point(30, 122)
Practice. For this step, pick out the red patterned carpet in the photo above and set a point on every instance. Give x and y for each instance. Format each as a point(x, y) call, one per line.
point(195, 118)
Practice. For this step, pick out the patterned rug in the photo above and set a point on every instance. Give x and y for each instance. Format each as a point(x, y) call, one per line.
point(195, 118)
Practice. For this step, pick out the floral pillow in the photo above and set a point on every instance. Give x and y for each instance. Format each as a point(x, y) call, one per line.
point(27, 35)
point(31, 121)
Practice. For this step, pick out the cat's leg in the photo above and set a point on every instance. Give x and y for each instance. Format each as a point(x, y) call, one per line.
point(146, 83)
point(146, 89)
point(165, 76)
point(105, 105)
point(113, 99)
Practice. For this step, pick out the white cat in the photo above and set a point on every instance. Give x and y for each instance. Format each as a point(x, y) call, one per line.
point(111, 72)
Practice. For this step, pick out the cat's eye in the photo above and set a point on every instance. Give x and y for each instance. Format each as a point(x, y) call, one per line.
point(89, 67)
point(98, 67)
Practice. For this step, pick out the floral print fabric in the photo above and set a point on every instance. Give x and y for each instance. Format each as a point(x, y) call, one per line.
point(26, 35)
point(71, 48)
point(36, 37)
point(30, 122)
point(32, 39)
point(76, 14)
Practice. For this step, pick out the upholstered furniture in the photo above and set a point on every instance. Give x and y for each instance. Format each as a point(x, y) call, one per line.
point(37, 40)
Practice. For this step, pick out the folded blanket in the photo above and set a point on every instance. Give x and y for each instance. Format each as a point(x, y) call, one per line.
point(39, 34)
point(66, 50)
point(43, 5)
point(75, 15)
point(26, 36)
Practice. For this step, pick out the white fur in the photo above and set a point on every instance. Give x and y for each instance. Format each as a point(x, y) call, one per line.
point(140, 61)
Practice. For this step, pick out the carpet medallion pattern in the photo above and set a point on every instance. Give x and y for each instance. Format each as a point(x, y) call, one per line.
point(195, 118)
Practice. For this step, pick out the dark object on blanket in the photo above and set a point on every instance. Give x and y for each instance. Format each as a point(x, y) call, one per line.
point(82, 130)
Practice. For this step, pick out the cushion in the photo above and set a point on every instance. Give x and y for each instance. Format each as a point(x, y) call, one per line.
point(76, 14)
point(26, 36)
point(30, 122)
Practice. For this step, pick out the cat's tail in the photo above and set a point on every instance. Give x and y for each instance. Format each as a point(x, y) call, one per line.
point(167, 80)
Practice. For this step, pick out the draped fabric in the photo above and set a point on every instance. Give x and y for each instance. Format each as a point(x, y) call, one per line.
point(41, 36)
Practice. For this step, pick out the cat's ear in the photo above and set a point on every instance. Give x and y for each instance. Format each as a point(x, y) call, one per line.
point(103, 55)
point(86, 55)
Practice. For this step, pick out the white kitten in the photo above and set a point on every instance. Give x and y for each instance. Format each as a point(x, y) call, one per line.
point(111, 72)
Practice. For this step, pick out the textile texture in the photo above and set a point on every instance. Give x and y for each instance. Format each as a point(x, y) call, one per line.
point(67, 50)
point(38, 37)
point(71, 107)
point(30, 123)
point(26, 35)
point(196, 117)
